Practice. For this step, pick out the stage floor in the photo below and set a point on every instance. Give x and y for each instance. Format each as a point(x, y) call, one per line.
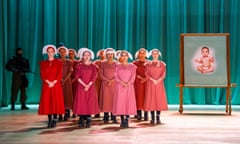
point(197, 125)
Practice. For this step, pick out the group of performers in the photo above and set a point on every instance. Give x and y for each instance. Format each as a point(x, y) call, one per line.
point(110, 85)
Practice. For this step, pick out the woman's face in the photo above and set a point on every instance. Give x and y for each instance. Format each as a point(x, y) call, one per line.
point(110, 56)
point(120, 59)
point(124, 57)
point(101, 55)
point(142, 54)
point(62, 52)
point(155, 55)
point(86, 56)
point(71, 54)
point(50, 52)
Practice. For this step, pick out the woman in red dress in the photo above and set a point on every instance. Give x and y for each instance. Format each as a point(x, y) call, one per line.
point(98, 82)
point(51, 101)
point(86, 101)
point(108, 85)
point(156, 99)
point(140, 82)
point(72, 57)
point(66, 81)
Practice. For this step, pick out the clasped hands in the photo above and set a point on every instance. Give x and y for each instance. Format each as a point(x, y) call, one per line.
point(155, 82)
point(86, 86)
point(109, 82)
point(143, 80)
point(125, 84)
point(51, 83)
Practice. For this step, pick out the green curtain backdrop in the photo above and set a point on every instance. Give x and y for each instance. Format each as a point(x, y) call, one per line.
point(121, 24)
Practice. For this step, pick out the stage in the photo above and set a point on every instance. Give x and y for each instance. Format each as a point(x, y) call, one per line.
point(199, 124)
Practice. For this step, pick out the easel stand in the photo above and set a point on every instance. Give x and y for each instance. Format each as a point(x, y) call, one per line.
point(228, 109)
point(220, 43)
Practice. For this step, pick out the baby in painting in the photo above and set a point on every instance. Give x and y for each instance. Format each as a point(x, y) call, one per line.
point(206, 62)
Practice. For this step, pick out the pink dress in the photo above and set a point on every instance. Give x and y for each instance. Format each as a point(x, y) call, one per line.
point(155, 94)
point(86, 102)
point(124, 102)
point(107, 92)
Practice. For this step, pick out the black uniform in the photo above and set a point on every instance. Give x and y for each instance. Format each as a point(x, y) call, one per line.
point(19, 66)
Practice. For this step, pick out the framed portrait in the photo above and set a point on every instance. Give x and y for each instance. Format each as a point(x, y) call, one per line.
point(204, 60)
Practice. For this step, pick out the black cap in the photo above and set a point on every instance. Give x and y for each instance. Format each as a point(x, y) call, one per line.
point(60, 44)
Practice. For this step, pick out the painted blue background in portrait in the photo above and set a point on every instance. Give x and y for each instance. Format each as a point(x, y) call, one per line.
point(217, 49)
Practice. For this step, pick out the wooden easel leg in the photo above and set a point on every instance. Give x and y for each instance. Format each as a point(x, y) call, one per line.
point(228, 101)
point(181, 101)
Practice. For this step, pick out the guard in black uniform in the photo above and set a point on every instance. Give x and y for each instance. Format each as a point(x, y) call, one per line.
point(19, 66)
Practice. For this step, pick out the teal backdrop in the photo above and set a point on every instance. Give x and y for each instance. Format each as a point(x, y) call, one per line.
point(121, 24)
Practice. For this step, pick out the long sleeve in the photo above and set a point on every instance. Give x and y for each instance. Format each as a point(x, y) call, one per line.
point(163, 75)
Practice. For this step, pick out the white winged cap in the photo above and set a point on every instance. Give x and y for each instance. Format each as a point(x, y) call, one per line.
point(74, 51)
point(81, 51)
point(129, 54)
point(98, 52)
point(45, 48)
point(136, 54)
point(118, 53)
point(109, 50)
point(62, 47)
point(155, 49)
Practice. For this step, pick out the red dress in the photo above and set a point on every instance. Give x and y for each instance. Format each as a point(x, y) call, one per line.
point(98, 81)
point(138, 85)
point(86, 102)
point(156, 98)
point(74, 82)
point(51, 101)
point(107, 91)
point(67, 86)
